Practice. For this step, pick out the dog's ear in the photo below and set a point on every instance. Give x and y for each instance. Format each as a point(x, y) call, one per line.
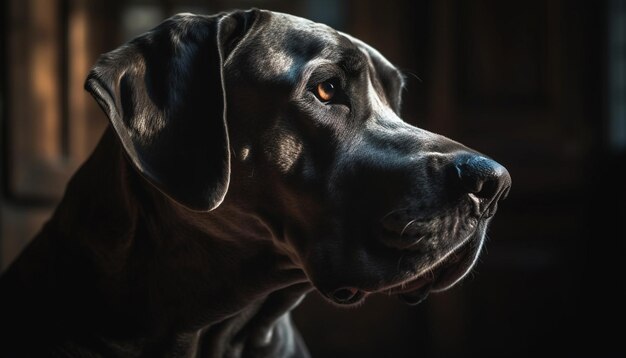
point(164, 95)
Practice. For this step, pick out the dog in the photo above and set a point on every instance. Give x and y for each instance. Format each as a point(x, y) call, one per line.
point(251, 158)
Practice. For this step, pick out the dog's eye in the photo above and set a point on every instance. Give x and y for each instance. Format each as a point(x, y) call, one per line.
point(325, 91)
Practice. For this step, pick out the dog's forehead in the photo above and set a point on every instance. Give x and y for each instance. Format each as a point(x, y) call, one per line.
point(283, 44)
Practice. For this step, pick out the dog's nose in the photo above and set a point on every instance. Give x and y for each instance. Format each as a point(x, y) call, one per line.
point(484, 178)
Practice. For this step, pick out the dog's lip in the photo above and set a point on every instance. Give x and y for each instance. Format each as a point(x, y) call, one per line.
point(454, 269)
point(437, 278)
point(414, 291)
point(410, 286)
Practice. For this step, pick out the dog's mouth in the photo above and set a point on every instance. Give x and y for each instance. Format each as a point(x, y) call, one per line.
point(414, 286)
point(443, 273)
point(442, 276)
point(439, 277)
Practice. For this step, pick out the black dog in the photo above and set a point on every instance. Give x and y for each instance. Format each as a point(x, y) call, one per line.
point(252, 156)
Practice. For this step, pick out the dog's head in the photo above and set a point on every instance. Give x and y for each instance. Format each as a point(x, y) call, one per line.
point(299, 124)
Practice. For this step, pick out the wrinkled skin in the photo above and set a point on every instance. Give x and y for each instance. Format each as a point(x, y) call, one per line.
point(226, 189)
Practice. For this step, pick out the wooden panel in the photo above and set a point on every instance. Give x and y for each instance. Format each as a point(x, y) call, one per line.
point(86, 121)
point(52, 123)
point(363, 23)
point(34, 99)
point(513, 34)
point(49, 129)
point(443, 63)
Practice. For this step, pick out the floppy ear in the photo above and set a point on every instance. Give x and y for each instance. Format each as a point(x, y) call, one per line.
point(164, 95)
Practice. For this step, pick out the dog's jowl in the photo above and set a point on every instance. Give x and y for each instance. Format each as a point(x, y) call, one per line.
point(251, 157)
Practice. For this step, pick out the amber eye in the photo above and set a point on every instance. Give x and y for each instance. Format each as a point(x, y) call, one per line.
point(325, 91)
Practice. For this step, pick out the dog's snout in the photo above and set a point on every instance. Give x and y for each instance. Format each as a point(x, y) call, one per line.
point(484, 178)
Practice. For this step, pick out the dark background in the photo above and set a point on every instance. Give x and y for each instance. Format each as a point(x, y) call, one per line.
point(540, 86)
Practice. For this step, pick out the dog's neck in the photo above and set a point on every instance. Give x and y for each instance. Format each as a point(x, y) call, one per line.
point(171, 272)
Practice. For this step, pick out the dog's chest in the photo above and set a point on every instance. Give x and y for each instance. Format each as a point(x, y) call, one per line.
point(261, 330)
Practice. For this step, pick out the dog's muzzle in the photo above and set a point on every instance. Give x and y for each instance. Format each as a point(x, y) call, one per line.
point(481, 183)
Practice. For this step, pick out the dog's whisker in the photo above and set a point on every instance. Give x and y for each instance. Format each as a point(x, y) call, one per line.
point(415, 243)
point(393, 212)
point(410, 73)
point(431, 273)
point(407, 226)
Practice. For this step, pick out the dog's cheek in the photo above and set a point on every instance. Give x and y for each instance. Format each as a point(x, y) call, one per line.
point(282, 150)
